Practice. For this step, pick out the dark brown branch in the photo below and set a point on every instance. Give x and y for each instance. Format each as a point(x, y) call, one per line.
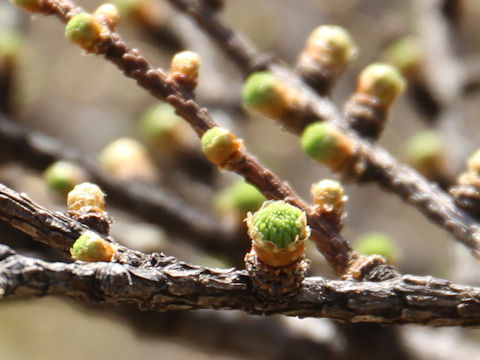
point(162, 283)
point(382, 167)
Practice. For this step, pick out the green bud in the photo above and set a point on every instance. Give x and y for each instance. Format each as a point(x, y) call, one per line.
point(264, 93)
point(376, 243)
point(240, 197)
point(406, 54)
point(127, 7)
point(10, 42)
point(382, 81)
point(91, 247)
point(160, 124)
point(62, 176)
point(331, 46)
point(84, 30)
point(323, 142)
point(219, 145)
point(279, 223)
point(29, 5)
point(424, 151)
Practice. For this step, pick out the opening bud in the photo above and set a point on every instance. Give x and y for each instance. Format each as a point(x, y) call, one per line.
point(86, 197)
point(278, 232)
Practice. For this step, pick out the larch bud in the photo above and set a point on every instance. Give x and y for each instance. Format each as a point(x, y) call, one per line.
point(127, 159)
point(86, 197)
point(108, 13)
point(278, 232)
point(329, 195)
point(62, 176)
point(239, 198)
point(91, 247)
point(382, 81)
point(264, 93)
point(219, 145)
point(29, 5)
point(84, 30)
point(323, 142)
point(330, 46)
point(377, 243)
point(184, 69)
point(406, 54)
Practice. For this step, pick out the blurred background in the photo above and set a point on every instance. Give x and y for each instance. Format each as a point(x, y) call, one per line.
point(51, 87)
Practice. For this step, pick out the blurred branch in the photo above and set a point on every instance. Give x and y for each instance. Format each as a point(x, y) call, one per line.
point(152, 203)
point(238, 48)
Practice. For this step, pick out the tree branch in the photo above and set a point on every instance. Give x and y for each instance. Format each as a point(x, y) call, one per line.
point(162, 283)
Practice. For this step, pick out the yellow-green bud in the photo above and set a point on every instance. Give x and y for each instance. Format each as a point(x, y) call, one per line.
point(278, 231)
point(109, 14)
point(62, 176)
point(323, 142)
point(264, 93)
point(127, 159)
point(425, 152)
point(84, 30)
point(161, 126)
point(10, 42)
point(219, 145)
point(86, 197)
point(329, 195)
point(381, 81)
point(127, 7)
point(331, 46)
point(406, 54)
point(377, 243)
point(91, 247)
point(185, 66)
point(240, 198)
point(29, 5)
point(473, 162)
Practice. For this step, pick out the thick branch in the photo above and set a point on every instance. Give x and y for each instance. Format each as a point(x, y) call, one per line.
point(163, 283)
